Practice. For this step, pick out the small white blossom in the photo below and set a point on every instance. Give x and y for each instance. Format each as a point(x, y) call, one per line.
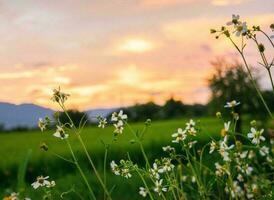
point(241, 28)
point(190, 124)
point(102, 122)
point(125, 173)
point(119, 128)
point(40, 182)
point(51, 184)
point(168, 149)
point(193, 179)
point(227, 125)
point(264, 151)
point(179, 136)
point(158, 186)
point(118, 117)
point(256, 135)
point(232, 104)
point(224, 149)
point(114, 168)
point(142, 191)
point(60, 133)
point(213, 146)
point(155, 171)
point(167, 165)
point(240, 178)
point(234, 21)
point(42, 124)
point(191, 144)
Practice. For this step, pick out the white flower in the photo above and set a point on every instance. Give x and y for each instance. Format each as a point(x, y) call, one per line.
point(264, 151)
point(232, 104)
point(59, 96)
point(190, 124)
point(118, 117)
point(167, 165)
point(40, 182)
point(193, 179)
point(179, 136)
point(51, 184)
point(102, 122)
point(168, 149)
point(119, 127)
point(240, 29)
point(227, 125)
point(125, 173)
point(247, 169)
point(220, 170)
point(190, 144)
point(234, 21)
point(192, 131)
point(42, 124)
point(114, 168)
point(213, 146)
point(12, 196)
point(155, 171)
point(240, 178)
point(142, 191)
point(256, 135)
point(224, 149)
point(60, 133)
point(158, 186)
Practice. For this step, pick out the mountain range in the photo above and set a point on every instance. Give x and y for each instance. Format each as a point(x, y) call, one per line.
point(27, 115)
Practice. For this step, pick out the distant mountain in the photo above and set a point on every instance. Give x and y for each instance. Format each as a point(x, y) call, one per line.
point(27, 115)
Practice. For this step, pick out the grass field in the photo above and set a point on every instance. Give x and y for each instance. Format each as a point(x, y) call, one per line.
point(14, 147)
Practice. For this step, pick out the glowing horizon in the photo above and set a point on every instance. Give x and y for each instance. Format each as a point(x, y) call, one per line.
point(118, 53)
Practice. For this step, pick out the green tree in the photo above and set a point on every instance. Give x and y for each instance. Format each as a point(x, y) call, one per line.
point(231, 82)
point(173, 109)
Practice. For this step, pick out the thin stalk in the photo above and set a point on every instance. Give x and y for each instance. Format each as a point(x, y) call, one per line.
point(81, 171)
point(141, 145)
point(105, 163)
point(267, 38)
point(86, 152)
point(145, 184)
point(252, 79)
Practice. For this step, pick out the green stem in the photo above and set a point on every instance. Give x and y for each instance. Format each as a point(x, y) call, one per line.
point(141, 145)
point(252, 79)
point(81, 171)
point(86, 152)
point(267, 37)
point(145, 184)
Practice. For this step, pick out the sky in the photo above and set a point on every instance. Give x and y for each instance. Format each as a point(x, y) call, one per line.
point(117, 53)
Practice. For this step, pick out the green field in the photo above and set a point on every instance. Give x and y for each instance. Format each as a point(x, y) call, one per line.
point(14, 147)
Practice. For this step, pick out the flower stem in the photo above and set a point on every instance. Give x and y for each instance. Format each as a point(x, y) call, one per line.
point(81, 171)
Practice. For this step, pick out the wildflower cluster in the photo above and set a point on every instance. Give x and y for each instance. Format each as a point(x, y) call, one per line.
point(118, 120)
point(15, 196)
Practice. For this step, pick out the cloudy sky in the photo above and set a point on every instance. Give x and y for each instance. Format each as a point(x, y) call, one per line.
point(110, 53)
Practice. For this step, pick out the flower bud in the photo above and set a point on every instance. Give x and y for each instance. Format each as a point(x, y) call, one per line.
point(272, 27)
point(148, 122)
point(261, 47)
point(253, 123)
point(44, 146)
point(219, 115)
point(212, 31)
point(227, 34)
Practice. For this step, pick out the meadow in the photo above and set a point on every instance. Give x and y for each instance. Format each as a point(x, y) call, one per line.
point(158, 135)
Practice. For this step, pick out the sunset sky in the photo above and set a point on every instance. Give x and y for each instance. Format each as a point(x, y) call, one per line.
point(115, 53)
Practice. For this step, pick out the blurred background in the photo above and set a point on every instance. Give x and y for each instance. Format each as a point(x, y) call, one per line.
point(154, 59)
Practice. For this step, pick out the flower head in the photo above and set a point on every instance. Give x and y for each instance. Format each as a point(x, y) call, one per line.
point(179, 136)
point(158, 186)
point(60, 133)
point(264, 151)
point(232, 104)
point(115, 117)
point(234, 20)
point(102, 121)
point(114, 168)
point(143, 192)
point(119, 127)
point(256, 135)
point(154, 172)
point(58, 96)
point(40, 182)
point(213, 146)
